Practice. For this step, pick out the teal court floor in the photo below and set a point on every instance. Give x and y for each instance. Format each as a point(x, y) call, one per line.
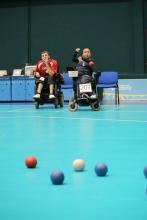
point(116, 135)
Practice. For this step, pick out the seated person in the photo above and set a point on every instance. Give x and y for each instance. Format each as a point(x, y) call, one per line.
point(45, 70)
point(85, 65)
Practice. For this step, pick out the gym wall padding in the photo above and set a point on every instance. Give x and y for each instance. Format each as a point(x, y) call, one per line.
point(112, 29)
point(13, 36)
point(101, 27)
point(145, 33)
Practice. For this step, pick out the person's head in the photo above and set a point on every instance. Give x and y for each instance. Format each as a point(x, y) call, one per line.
point(45, 56)
point(86, 53)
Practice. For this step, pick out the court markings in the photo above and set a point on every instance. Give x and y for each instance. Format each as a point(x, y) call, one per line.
point(77, 118)
point(66, 110)
point(93, 119)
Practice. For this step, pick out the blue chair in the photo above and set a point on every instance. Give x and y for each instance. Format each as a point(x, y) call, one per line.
point(109, 79)
point(68, 81)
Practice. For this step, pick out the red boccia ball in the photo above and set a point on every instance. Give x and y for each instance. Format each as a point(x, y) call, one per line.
point(91, 63)
point(31, 162)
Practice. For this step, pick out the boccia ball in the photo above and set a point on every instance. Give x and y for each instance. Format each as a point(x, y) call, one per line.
point(101, 169)
point(31, 162)
point(57, 177)
point(145, 171)
point(78, 165)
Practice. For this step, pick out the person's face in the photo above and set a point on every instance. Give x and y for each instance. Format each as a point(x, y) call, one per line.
point(45, 57)
point(86, 53)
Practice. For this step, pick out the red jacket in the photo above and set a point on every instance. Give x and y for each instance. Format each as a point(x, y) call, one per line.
point(42, 69)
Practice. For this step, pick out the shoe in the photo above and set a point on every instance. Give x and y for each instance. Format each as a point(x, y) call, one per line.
point(36, 96)
point(93, 96)
point(52, 96)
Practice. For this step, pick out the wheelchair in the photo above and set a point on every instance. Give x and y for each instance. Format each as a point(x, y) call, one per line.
point(83, 90)
point(58, 101)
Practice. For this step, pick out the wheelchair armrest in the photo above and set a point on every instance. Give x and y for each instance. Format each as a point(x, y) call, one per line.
point(95, 76)
point(58, 78)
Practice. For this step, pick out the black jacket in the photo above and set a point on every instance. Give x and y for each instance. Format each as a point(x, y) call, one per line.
point(82, 67)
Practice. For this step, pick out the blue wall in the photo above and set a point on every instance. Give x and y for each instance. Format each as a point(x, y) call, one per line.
point(16, 88)
point(22, 89)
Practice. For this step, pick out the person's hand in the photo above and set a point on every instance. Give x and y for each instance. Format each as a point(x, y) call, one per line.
point(51, 74)
point(37, 74)
point(46, 61)
point(91, 64)
point(77, 49)
point(79, 59)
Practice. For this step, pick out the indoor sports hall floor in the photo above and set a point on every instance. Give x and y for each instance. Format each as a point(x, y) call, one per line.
point(116, 135)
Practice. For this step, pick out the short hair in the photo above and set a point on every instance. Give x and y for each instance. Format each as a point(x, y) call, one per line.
point(86, 48)
point(44, 51)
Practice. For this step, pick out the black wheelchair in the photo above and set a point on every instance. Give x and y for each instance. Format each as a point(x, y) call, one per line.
point(44, 96)
point(85, 93)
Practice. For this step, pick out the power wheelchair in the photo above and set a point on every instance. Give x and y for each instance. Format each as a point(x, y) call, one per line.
point(44, 96)
point(85, 91)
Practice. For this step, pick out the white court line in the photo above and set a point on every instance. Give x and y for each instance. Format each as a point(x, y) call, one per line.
point(61, 110)
point(90, 119)
point(93, 119)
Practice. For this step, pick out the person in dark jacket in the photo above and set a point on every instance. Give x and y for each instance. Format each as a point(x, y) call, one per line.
point(85, 68)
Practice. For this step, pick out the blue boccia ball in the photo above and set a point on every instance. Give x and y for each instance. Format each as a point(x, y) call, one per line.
point(101, 169)
point(57, 177)
point(145, 171)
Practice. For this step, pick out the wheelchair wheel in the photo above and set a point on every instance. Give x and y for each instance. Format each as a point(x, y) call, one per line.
point(36, 105)
point(72, 106)
point(61, 100)
point(95, 106)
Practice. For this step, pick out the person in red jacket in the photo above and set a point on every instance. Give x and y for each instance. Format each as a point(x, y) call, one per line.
point(45, 70)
